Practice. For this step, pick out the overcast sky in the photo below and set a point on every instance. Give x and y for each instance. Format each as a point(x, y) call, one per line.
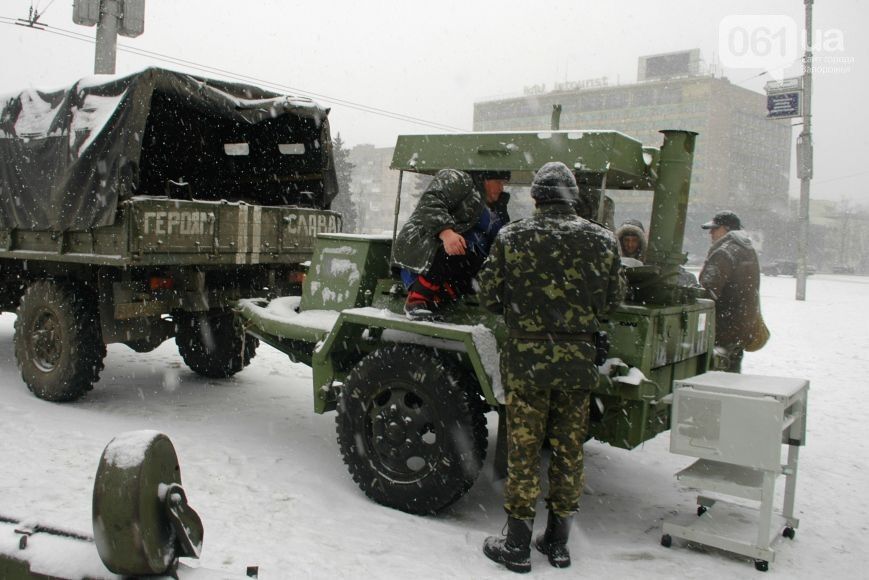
point(432, 60)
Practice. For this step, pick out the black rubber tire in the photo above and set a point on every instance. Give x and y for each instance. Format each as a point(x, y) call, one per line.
point(761, 565)
point(58, 342)
point(789, 533)
point(142, 346)
point(666, 540)
point(214, 344)
point(411, 429)
point(701, 509)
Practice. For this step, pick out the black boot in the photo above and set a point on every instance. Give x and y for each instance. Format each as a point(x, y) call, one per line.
point(553, 542)
point(514, 551)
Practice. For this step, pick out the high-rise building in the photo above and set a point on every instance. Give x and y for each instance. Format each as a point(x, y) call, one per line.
point(742, 159)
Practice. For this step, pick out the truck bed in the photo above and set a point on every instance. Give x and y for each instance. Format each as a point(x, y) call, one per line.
point(158, 231)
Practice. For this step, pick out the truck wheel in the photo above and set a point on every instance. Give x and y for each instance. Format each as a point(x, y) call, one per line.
point(411, 429)
point(214, 345)
point(58, 343)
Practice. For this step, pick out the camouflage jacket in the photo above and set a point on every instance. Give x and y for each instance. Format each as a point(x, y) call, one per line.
point(552, 273)
point(450, 201)
point(732, 275)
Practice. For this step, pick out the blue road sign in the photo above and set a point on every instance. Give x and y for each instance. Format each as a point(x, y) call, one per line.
point(784, 105)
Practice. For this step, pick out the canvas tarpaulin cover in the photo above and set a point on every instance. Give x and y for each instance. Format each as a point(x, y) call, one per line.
point(69, 157)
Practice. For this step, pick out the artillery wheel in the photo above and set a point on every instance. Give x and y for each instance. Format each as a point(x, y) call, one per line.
point(58, 342)
point(411, 429)
point(132, 531)
point(214, 344)
point(666, 540)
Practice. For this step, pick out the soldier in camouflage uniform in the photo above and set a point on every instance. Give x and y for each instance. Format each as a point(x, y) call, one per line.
point(553, 276)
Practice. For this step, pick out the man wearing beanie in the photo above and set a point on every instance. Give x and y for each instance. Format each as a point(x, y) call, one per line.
point(553, 276)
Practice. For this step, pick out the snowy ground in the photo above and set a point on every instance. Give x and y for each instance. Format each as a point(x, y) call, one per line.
point(265, 474)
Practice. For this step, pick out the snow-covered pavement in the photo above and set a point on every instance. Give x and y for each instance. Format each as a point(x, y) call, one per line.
point(265, 474)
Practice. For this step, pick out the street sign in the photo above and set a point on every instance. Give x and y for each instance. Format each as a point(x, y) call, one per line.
point(784, 105)
point(86, 12)
point(130, 14)
point(132, 23)
point(784, 85)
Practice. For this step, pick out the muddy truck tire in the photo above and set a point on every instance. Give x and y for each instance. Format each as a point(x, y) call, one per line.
point(58, 344)
point(214, 344)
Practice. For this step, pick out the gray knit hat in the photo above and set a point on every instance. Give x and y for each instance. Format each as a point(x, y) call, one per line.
point(554, 182)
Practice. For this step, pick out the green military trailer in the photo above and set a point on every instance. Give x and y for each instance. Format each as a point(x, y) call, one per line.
point(139, 208)
point(411, 396)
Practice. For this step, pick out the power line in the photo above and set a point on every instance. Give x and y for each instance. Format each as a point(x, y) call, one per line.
point(236, 76)
point(841, 177)
point(743, 81)
point(246, 78)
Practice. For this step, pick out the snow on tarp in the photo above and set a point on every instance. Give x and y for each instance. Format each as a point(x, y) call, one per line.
point(69, 156)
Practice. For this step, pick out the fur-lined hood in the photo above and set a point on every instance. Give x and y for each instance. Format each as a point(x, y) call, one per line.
point(632, 230)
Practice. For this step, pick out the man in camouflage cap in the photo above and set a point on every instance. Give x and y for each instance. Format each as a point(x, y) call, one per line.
point(553, 276)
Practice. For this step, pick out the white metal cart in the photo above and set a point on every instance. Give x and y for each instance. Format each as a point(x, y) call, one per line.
point(737, 426)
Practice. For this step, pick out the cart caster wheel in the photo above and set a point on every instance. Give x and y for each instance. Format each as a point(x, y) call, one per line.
point(701, 509)
point(666, 540)
point(789, 533)
point(761, 565)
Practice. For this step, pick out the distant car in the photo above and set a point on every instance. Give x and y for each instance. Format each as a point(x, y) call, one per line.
point(843, 269)
point(784, 268)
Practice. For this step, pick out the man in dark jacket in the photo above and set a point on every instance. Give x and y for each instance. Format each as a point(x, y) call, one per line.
point(553, 276)
point(731, 274)
point(491, 184)
point(444, 242)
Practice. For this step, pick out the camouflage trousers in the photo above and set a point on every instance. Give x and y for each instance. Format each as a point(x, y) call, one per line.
point(561, 418)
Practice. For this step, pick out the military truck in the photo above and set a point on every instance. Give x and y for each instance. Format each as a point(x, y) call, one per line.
point(412, 396)
point(140, 208)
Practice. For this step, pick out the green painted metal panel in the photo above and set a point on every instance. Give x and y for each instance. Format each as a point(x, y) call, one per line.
point(169, 232)
point(621, 158)
point(344, 271)
point(251, 233)
point(650, 336)
point(341, 344)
